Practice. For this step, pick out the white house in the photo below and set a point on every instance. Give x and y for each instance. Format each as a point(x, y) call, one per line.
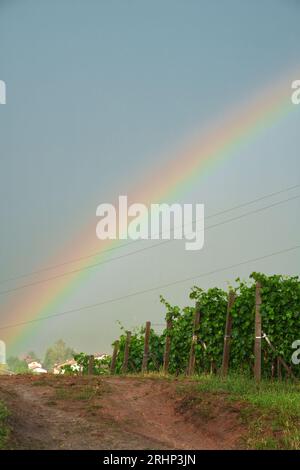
point(100, 356)
point(58, 368)
point(75, 367)
point(36, 368)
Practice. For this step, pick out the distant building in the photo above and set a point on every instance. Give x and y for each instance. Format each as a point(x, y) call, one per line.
point(75, 367)
point(100, 356)
point(36, 368)
point(58, 368)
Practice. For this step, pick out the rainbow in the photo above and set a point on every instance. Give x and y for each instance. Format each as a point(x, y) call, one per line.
point(218, 142)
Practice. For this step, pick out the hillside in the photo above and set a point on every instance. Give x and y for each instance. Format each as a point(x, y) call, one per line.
point(145, 413)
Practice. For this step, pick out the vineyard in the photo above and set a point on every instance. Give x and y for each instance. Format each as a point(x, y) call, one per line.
point(174, 381)
point(253, 326)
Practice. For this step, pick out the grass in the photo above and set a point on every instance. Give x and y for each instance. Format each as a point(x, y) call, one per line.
point(77, 393)
point(4, 429)
point(282, 397)
point(271, 411)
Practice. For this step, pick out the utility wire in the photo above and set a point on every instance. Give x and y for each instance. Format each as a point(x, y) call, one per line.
point(124, 245)
point(41, 281)
point(152, 289)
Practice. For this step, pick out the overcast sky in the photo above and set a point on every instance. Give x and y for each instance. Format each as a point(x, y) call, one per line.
point(97, 92)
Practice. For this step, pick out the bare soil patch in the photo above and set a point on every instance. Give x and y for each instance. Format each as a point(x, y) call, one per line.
point(52, 412)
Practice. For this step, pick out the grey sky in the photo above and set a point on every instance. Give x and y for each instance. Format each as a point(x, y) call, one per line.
point(96, 92)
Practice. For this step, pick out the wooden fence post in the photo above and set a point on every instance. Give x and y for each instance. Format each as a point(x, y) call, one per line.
point(167, 347)
point(213, 367)
point(191, 366)
point(227, 336)
point(126, 352)
point(279, 374)
point(280, 360)
point(258, 334)
point(146, 347)
point(91, 365)
point(114, 357)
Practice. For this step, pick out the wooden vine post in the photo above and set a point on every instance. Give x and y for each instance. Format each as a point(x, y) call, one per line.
point(114, 357)
point(279, 373)
point(258, 334)
point(91, 365)
point(280, 361)
point(227, 335)
point(191, 365)
point(126, 352)
point(146, 347)
point(167, 346)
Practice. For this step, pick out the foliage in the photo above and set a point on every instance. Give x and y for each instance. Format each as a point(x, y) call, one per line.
point(280, 320)
point(213, 307)
point(273, 412)
point(58, 353)
point(181, 334)
point(156, 348)
point(31, 356)
point(19, 366)
point(4, 430)
point(100, 367)
point(280, 312)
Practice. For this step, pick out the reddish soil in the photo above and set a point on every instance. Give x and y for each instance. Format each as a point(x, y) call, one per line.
point(116, 413)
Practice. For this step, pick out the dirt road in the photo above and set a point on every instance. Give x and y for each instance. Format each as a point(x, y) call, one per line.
point(115, 413)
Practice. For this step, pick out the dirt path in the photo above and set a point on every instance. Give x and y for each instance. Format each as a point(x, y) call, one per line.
point(111, 413)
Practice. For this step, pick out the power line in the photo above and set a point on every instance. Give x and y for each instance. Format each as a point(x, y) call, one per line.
point(124, 245)
point(91, 266)
point(152, 289)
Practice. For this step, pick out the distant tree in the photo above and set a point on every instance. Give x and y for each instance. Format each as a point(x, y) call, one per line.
point(31, 356)
point(17, 365)
point(57, 354)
